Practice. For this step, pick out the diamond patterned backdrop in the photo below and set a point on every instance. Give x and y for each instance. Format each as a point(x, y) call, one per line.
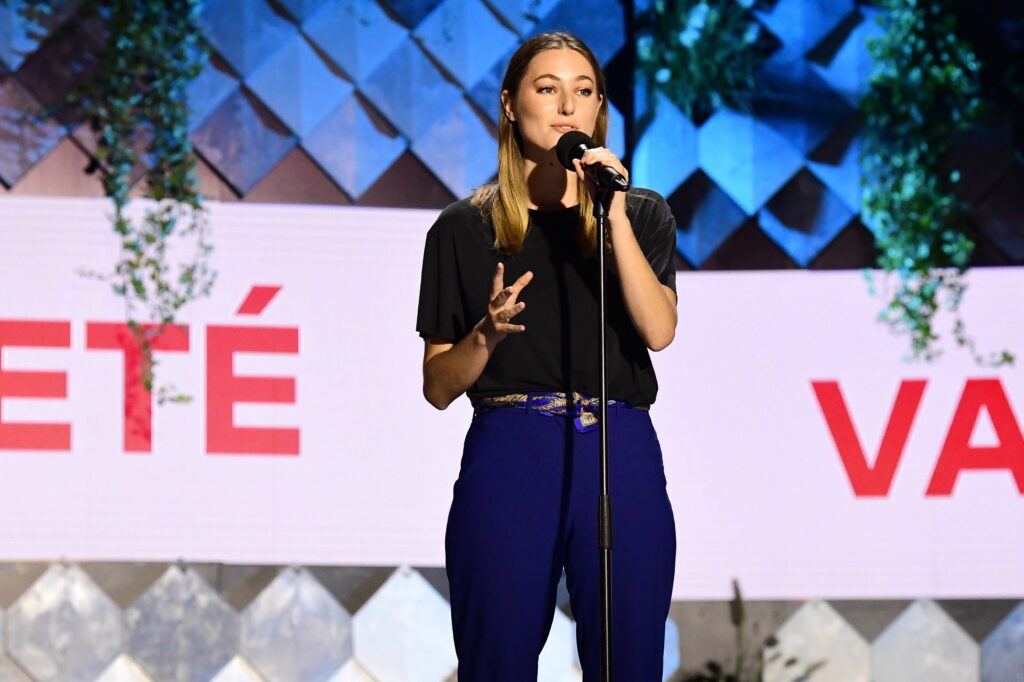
point(357, 87)
point(154, 622)
point(394, 102)
point(365, 99)
point(779, 187)
point(754, 175)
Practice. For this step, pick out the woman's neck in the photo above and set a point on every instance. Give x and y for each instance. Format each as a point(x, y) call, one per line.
point(549, 184)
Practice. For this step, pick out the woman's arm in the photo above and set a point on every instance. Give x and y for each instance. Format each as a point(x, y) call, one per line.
point(651, 305)
point(449, 369)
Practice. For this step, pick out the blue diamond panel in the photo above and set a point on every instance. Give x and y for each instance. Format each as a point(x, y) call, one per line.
point(667, 153)
point(616, 140)
point(1002, 652)
point(802, 24)
point(795, 101)
point(410, 91)
point(352, 149)
point(298, 86)
point(850, 67)
point(803, 218)
point(212, 86)
point(244, 32)
point(486, 94)
point(523, 14)
point(746, 157)
point(460, 150)
point(295, 630)
point(15, 42)
point(300, 10)
point(356, 34)
point(412, 12)
point(842, 174)
point(181, 629)
point(466, 38)
point(242, 140)
point(599, 23)
point(25, 137)
point(708, 217)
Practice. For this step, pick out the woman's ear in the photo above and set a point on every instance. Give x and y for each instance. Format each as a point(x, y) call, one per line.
point(506, 106)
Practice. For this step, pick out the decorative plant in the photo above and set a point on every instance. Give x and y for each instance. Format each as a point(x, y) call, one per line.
point(136, 98)
point(702, 54)
point(742, 671)
point(923, 89)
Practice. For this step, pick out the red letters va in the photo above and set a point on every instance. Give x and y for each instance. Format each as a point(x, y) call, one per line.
point(956, 455)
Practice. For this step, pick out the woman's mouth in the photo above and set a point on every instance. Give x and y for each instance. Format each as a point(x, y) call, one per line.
point(564, 128)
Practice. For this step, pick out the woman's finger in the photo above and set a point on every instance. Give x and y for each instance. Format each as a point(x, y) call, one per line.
point(606, 157)
point(499, 280)
point(512, 328)
point(505, 315)
point(578, 165)
point(501, 297)
point(520, 283)
point(587, 182)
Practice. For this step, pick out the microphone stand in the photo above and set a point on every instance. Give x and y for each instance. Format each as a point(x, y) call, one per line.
point(604, 501)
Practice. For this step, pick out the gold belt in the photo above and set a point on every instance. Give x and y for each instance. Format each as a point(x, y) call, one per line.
point(554, 403)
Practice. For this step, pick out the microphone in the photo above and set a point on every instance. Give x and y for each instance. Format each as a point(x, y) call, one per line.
point(572, 145)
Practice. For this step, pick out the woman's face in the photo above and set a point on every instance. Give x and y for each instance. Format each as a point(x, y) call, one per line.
point(557, 94)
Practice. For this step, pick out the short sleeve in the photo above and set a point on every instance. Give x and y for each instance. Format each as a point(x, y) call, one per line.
point(441, 313)
point(656, 234)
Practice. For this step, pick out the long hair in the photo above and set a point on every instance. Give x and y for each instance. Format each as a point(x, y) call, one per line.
point(506, 201)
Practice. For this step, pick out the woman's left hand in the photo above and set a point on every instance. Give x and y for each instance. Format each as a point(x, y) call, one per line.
point(606, 157)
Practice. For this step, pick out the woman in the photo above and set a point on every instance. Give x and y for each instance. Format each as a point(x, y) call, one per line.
point(524, 504)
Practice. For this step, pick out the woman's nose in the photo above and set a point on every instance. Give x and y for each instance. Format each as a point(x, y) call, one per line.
point(567, 104)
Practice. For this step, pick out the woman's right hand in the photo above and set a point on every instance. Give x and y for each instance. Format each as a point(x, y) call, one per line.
point(503, 306)
point(449, 369)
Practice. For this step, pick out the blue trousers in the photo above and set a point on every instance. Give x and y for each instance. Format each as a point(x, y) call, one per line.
point(524, 507)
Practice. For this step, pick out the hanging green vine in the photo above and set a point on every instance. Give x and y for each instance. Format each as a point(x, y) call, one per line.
point(702, 54)
point(923, 89)
point(137, 98)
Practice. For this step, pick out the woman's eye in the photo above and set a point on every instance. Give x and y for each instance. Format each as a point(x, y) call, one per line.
point(586, 92)
point(546, 89)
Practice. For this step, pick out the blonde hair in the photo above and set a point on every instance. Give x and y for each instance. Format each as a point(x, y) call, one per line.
point(506, 201)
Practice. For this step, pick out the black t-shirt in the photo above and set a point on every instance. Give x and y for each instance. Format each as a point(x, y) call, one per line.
point(559, 350)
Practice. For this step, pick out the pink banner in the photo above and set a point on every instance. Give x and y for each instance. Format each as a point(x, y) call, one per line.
point(802, 455)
